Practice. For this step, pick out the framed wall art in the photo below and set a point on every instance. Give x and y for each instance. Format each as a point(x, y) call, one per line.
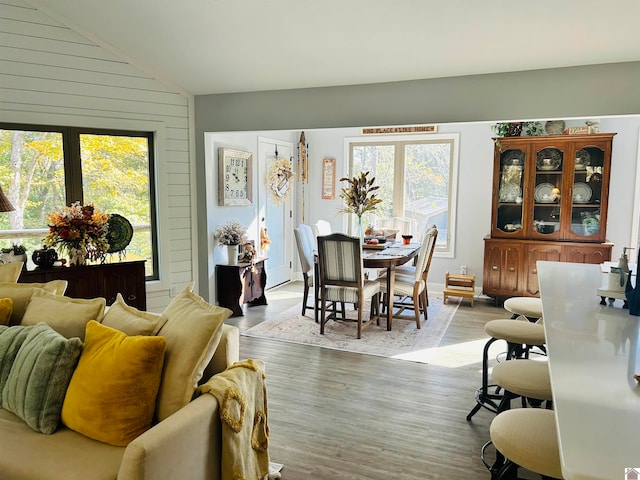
point(235, 175)
point(328, 178)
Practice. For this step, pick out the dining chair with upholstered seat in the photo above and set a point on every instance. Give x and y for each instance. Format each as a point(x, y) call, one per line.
point(322, 228)
point(342, 280)
point(305, 243)
point(412, 286)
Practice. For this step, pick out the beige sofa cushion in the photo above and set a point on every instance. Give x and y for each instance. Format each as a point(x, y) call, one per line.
point(10, 272)
point(64, 455)
point(20, 293)
point(132, 321)
point(67, 316)
point(193, 333)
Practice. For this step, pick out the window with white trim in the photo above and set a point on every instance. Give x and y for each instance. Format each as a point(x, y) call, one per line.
point(417, 177)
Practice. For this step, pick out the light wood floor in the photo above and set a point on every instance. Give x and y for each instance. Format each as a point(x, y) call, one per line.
point(340, 415)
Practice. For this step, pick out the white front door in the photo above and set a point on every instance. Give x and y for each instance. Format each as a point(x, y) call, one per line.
point(277, 213)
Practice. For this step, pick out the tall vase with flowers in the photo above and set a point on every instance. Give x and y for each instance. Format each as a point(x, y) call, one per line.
point(231, 234)
point(81, 231)
point(359, 198)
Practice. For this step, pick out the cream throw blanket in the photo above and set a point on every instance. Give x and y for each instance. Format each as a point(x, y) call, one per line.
point(242, 393)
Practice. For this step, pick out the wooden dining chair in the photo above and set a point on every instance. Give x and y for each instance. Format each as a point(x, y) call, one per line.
point(411, 282)
point(342, 280)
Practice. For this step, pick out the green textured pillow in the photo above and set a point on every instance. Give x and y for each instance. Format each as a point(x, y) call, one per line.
point(11, 339)
point(67, 316)
point(20, 293)
point(38, 380)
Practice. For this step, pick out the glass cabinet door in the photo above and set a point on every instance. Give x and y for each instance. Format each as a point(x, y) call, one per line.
point(510, 191)
point(547, 193)
point(586, 191)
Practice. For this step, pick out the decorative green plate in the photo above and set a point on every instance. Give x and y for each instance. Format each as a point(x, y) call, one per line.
point(120, 233)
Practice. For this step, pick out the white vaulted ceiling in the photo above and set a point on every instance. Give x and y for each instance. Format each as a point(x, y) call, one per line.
point(224, 46)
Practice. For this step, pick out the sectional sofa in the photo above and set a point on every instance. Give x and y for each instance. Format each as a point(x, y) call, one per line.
point(93, 417)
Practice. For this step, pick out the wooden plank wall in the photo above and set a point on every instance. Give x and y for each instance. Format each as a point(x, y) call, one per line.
point(49, 74)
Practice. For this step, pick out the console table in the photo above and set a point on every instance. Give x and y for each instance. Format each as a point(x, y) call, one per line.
point(100, 280)
point(240, 284)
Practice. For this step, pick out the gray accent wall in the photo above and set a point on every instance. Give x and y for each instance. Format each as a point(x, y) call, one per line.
point(467, 105)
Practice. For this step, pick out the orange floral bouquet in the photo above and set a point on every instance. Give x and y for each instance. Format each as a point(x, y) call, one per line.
point(79, 227)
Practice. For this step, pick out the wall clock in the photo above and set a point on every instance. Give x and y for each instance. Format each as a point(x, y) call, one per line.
point(234, 177)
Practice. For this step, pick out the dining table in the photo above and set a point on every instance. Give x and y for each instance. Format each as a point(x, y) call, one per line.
point(385, 256)
point(594, 363)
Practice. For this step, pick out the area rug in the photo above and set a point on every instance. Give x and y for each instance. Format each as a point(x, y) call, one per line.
point(402, 342)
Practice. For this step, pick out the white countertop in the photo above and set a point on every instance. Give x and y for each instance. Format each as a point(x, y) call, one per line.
point(593, 354)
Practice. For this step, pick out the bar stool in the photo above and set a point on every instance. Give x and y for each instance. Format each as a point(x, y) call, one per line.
point(524, 437)
point(520, 336)
point(524, 378)
point(530, 307)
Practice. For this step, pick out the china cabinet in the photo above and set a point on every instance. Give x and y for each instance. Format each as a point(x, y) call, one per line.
point(550, 199)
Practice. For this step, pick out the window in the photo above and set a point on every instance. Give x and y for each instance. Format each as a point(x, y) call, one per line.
point(43, 168)
point(417, 178)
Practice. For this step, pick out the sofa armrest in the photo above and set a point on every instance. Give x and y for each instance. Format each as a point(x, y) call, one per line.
point(227, 353)
point(185, 445)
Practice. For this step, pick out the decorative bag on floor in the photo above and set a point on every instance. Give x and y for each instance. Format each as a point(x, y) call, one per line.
point(633, 293)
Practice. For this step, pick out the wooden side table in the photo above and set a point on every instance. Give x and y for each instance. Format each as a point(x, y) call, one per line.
point(458, 285)
point(240, 284)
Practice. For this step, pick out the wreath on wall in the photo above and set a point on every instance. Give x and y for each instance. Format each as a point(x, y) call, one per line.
point(279, 180)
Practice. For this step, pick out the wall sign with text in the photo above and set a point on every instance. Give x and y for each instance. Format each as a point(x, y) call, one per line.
point(328, 178)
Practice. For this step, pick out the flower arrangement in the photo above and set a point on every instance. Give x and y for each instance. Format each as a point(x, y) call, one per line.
point(232, 233)
point(79, 227)
point(359, 197)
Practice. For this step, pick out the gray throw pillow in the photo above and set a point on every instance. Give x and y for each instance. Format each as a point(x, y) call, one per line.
point(39, 378)
point(11, 339)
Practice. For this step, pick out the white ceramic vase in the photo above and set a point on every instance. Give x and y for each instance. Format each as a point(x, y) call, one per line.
point(232, 254)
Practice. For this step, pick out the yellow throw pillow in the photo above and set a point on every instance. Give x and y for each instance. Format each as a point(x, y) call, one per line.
point(10, 272)
point(193, 331)
point(132, 321)
point(6, 308)
point(67, 316)
point(112, 393)
point(20, 293)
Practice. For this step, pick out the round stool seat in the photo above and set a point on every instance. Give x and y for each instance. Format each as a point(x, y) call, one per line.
point(528, 306)
point(516, 331)
point(527, 378)
point(527, 437)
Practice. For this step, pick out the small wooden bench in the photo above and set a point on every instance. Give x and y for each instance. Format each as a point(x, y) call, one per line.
point(458, 285)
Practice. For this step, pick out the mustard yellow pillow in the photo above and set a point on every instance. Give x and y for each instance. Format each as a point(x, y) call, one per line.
point(132, 321)
point(112, 393)
point(6, 308)
point(67, 316)
point(193, 331)
point(20, 293)
point(10, 272)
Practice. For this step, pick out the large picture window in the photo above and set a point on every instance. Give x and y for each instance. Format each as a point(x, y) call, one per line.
point(43, 168)
point(417, 178)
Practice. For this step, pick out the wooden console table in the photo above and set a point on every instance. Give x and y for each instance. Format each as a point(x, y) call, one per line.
point(240, 284)
point(100, 280)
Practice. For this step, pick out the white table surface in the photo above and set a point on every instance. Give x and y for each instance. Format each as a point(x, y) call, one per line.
point(593, 353)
